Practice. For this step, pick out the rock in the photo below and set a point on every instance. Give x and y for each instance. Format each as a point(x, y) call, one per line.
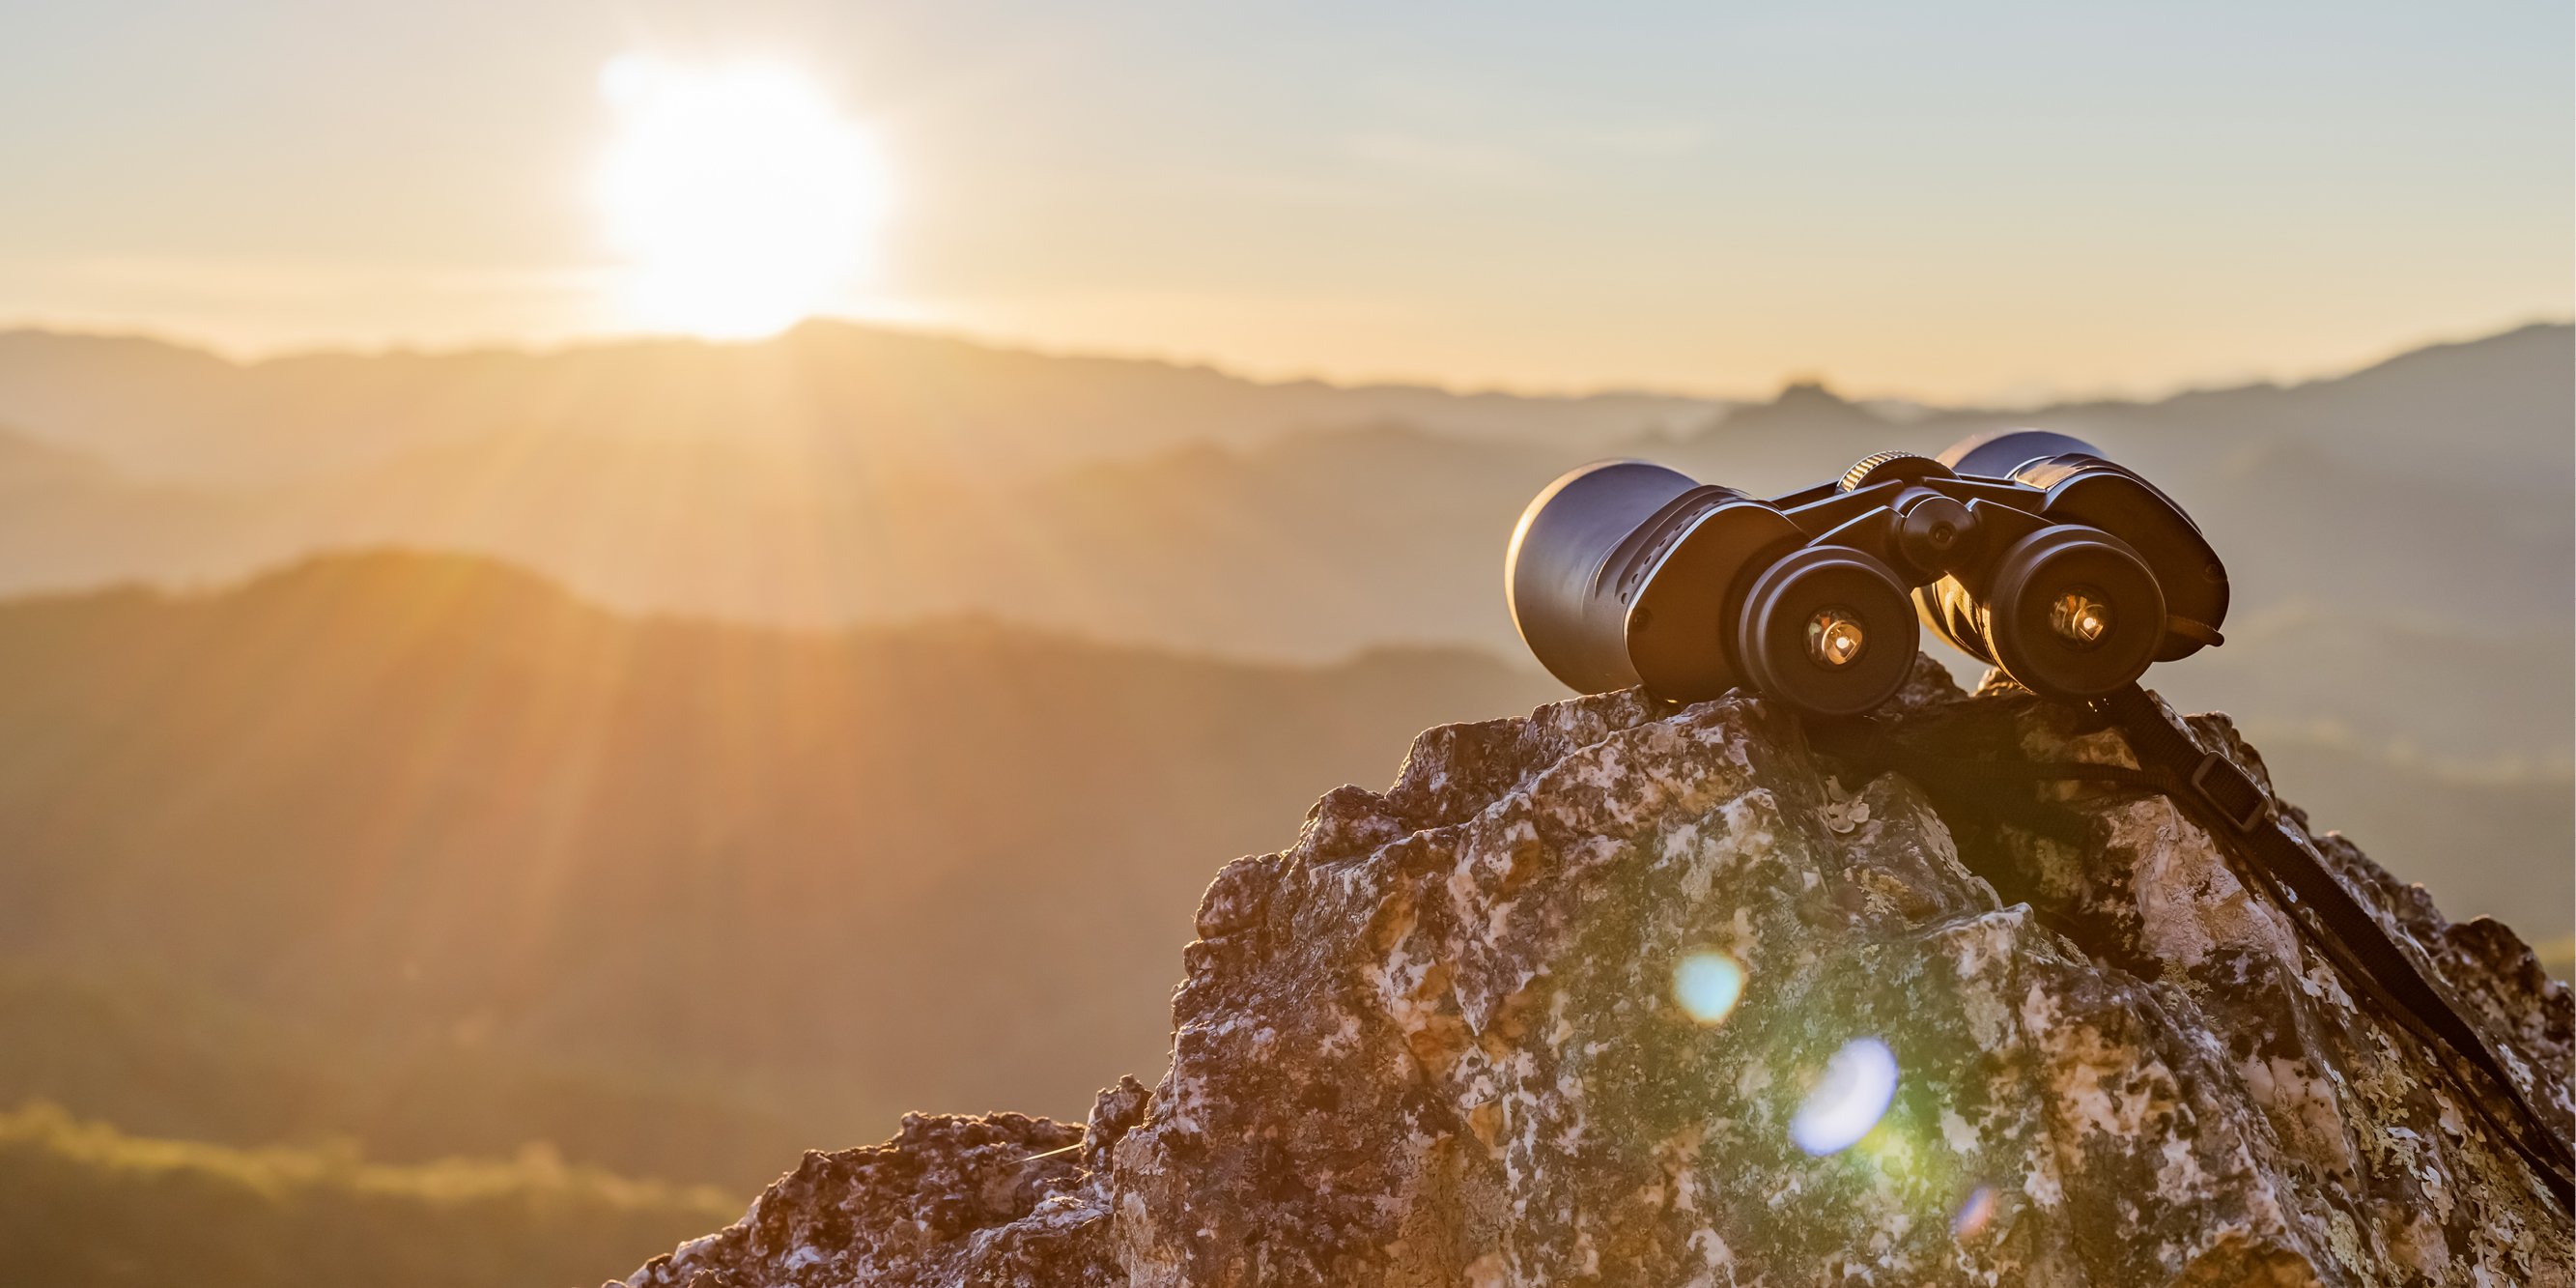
point(1474, 1030)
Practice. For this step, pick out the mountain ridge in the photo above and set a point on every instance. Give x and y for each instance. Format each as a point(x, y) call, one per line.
point(813, 383)
point(54, 383)
point(170, 346)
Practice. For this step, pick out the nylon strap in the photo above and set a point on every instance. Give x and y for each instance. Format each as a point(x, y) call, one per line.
point(2280, 857)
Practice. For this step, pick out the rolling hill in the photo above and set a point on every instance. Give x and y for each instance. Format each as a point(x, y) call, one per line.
point(423, 850)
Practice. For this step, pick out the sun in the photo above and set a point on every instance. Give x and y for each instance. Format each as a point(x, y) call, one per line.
point(739, 197)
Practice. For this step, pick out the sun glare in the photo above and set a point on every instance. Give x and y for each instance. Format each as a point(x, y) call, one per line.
point(740, 197)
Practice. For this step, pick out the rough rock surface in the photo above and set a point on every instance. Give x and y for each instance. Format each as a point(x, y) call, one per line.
point(1437, 1042)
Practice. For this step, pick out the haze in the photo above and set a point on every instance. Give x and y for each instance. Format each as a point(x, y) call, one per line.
point(595, 595)
point(1977, 201)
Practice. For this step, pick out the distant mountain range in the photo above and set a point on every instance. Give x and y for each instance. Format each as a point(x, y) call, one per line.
point(2419, 509)
point(2400, 537)
point(825, 391)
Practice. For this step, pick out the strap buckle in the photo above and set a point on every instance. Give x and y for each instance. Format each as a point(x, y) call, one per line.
point(2231, 791)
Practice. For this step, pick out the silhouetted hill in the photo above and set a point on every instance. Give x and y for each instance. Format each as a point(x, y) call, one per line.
point(488, 847)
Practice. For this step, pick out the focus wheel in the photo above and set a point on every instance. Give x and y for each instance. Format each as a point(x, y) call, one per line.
point(1887, 467)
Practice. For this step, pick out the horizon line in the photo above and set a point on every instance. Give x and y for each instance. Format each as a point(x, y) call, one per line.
point(1244, 373)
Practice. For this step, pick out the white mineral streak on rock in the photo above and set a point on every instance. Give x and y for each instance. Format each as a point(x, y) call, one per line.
point(2191, 902)
point(1434, 1043)
point(2303, 1107)
point(1956, 1133)
point(2041, 1184)
point(2320, 981)
point(2095, 1084)
point(1981, 953)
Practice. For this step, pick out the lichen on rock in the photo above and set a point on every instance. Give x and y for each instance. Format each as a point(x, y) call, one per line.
point(1437, 1041)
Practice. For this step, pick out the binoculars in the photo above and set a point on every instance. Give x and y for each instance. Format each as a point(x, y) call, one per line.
point(2024, 549)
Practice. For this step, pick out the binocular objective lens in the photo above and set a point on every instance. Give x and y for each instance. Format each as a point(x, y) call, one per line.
point(2080, 616)
point(1834, 637)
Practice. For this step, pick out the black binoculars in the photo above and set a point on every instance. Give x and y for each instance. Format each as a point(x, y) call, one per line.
point(2025, 549)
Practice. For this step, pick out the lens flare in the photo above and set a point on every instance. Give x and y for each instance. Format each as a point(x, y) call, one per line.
point(1974, 1214)
point(1834, 637)
point(1858, 1086)
point(1708, 984)
point(2080, 616)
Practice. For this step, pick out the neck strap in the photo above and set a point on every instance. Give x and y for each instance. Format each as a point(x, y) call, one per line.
point(2278, 855)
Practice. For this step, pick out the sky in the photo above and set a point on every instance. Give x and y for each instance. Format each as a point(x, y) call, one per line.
point(1972, 200)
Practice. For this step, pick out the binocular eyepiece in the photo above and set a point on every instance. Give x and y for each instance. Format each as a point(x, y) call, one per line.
point(2025, 549)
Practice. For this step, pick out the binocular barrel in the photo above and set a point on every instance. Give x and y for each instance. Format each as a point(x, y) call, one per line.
point(2027, 549)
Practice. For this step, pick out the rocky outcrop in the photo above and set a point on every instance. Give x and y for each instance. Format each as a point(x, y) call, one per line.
point(1627, 994)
